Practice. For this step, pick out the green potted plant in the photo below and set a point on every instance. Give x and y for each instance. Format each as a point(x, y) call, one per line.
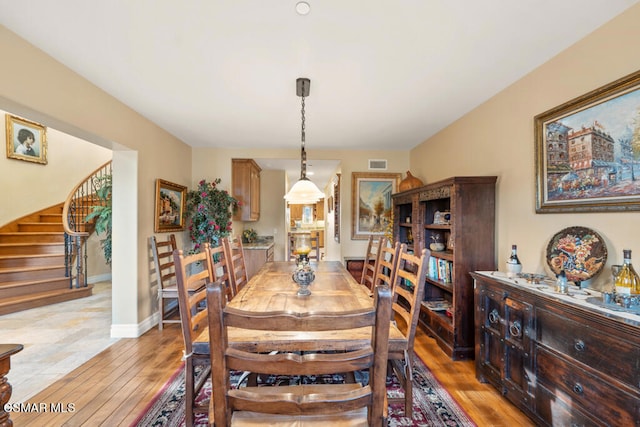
point(208, 214)
point(102, 214)
point(249, 235)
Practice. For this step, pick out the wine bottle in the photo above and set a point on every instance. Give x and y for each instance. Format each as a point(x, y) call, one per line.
point(561, 282)
point(513, 263)
point(627, 281)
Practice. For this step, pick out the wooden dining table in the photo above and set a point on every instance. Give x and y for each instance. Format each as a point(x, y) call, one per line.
point(334, 290)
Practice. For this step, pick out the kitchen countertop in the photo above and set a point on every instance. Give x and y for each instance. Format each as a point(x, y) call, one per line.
point(258, 245)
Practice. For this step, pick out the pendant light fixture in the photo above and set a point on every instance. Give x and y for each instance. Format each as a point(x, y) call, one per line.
point(304, 191)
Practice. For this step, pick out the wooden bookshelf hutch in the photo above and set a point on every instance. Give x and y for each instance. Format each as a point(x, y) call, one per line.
point(468, 234)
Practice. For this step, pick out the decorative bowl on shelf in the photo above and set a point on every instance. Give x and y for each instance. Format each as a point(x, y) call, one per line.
point(436, 246)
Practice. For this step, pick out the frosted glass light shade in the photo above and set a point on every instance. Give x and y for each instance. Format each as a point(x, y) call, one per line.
point(303, 192)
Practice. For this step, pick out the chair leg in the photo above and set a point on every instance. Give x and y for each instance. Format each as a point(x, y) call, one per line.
point(161, 311)
point(189, 392)
point(408, 386)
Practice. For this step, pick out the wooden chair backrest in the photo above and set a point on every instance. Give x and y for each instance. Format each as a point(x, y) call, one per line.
point(315, 247)
point(221, 269)
point(225, 358)
point(387, 263)
point(409, 285)
point(162, 251)
point(191, 271)
point(236, 263)
point(371, 261)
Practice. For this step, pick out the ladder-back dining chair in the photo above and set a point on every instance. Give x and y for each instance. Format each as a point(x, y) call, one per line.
point(387, 263)
point(222, 269)
point(408, 292)
point(371, 261)
point(193, 271)
point(236, 263)
point(350, 404)
point(165, 273)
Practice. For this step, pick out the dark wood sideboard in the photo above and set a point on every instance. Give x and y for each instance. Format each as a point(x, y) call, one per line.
point(560, 359)
point(6, 351)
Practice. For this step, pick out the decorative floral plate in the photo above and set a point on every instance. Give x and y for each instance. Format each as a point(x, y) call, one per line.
point(580, 251)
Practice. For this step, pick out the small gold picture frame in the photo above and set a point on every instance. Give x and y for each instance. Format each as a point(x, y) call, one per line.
point(26, 140)
point(170, 205)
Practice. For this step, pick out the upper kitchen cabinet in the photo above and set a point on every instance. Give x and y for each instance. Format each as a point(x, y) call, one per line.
point(245, 181)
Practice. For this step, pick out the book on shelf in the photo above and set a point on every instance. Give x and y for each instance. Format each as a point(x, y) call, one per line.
point(440, 269)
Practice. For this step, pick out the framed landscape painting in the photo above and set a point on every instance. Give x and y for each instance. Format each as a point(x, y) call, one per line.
point(371, 202)
point(26, 140)
point(588, 151)
point(170, 205)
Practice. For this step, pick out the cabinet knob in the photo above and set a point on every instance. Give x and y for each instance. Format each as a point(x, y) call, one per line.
point(515, 329)
point(577, 389)
point(494, 316)
point(579, 345)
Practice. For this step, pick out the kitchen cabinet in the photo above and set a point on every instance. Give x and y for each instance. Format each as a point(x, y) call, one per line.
point(560, 358)
point(296, 212)
point(245, 182)
point(256, 255)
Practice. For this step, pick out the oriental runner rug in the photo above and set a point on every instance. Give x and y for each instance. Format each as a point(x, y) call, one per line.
point(432, 404)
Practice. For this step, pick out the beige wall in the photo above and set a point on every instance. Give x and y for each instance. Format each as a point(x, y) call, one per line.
point(34, 186)
point(497, 138)
point(211, 163)
point(35, 86)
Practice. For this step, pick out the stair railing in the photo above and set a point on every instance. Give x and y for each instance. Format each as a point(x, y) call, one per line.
point(77, 230)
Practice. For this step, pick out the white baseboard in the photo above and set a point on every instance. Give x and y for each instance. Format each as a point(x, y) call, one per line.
point(134, 330)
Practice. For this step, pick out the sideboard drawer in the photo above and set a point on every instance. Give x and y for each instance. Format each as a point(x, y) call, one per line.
point(556, 412)
point(579, 387)
point(591, 347)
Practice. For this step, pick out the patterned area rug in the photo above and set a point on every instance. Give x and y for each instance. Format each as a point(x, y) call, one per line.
point(433, 406)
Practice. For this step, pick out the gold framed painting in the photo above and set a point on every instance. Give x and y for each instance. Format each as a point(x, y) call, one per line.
point(371, 202)
point(26, 140)
point(170, 205)
point(588, 151)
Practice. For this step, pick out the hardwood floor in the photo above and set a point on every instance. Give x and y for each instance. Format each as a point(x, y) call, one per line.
point(114, 387)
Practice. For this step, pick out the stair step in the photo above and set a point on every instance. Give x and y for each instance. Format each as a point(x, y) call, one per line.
point(31, 248)
point(18, 261)
point(51, 217)
point(28, 287)
point(40, 227)
point(19, 237)
point(12, 274)
point(25, 302)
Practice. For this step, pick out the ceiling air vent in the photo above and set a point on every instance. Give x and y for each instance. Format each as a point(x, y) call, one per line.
point(377, 165)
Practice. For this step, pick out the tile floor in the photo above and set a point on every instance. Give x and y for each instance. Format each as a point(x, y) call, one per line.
point(57, 339)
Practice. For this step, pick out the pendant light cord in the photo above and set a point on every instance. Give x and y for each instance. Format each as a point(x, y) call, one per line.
point(303, 154)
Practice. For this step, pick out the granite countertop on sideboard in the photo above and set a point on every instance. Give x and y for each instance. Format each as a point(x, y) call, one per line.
point(584, 298)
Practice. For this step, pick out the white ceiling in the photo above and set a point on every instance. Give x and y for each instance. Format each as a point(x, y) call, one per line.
point(385, 74)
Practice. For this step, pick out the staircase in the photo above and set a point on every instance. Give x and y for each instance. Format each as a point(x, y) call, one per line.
point(32, 263)
point(43, 256)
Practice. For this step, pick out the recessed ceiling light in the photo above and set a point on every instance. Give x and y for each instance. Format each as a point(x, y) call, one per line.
point(303, 8)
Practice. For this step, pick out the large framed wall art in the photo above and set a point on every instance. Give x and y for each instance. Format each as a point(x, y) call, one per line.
point(371, 202)
point(588, 151)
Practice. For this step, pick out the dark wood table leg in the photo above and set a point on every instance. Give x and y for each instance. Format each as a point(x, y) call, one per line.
point(6, 351)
